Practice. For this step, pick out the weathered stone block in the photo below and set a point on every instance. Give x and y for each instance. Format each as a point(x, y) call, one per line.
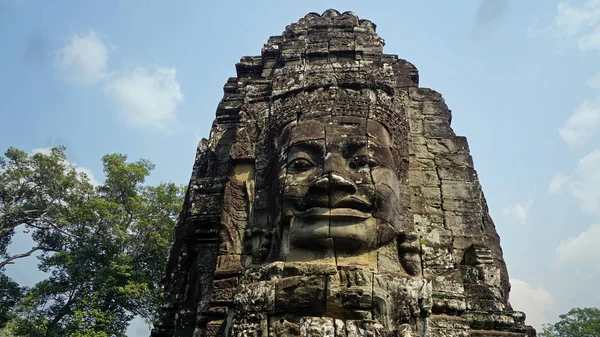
point(258, 297)
point(206, 204)
point(461, 190)
point(317, 327)
point(454, 173)
point(454, 159)
point(449, 326)
point(425, 94)
point(281, 327)
point(250, 325)
point(229, 264)
point(424, 177)
point(365, 328)
point(435, 108)
point(300, 294)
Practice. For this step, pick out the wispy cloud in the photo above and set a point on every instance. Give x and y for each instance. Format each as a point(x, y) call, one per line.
point(83, 59)
point(557, 183)
point(582, 124)
point(146, 97)
point(580, 22)
point(585, 185)
point(518, 210)
point(594, 81)
point(537, 303)
point(582, 248)
point(80, 169)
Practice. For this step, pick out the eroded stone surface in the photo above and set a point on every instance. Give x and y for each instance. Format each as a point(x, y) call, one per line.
point(334, 199)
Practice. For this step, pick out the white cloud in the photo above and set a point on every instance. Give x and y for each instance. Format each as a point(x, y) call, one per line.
point(582, 248)
point(585, 184)
point(594, 81)
point(582, 124)
point(80, 169)
point(146, 97)
point(557, 183)
point(590, 41)
point(581, 22)
point(83, 59)
point(518, 210)
point(88, 173)
point(537, 303)
point(572, 19)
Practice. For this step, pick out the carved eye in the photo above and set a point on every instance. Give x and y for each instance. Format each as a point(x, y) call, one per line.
point(300, 165)
point(362, 162)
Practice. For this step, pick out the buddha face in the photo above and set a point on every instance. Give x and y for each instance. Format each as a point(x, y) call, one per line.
point(339, 183)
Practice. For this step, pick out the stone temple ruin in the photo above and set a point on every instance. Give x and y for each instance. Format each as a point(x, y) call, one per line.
point(334, 199)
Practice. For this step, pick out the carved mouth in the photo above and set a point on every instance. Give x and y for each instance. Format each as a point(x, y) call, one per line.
point(352, 202)
point(322, 213)
point(348, 202)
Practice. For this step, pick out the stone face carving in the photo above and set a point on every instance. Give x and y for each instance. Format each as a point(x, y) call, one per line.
point(328, 189)
point(340, 188)
point(334, 199)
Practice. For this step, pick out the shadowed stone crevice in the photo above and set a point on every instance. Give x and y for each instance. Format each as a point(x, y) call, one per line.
point(333, 198)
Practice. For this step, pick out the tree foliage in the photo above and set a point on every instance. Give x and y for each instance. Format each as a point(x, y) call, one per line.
point(578, 322)
point(104, 248)
point(10, 293)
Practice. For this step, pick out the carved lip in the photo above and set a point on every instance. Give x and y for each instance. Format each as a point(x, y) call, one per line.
point(323, 212)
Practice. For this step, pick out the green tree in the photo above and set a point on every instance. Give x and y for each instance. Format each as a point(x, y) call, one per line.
point(35, 192)
point(103, 248)
point(578, 322)
point(10, 293)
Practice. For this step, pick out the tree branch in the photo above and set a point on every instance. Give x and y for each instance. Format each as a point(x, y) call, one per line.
point(53, 226)
point(28, 221)
point(65, 310)
point(19, 256)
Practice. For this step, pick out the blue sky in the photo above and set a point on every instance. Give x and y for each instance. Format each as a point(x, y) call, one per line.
point(522, 78)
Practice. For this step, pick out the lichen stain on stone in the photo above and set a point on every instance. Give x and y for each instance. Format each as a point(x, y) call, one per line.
point(243, 172)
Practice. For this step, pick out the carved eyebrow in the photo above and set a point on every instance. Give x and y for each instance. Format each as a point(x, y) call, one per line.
point(352, 145)
point(309, 145)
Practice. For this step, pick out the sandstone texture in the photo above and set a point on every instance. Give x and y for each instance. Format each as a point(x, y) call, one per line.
point(334, 199)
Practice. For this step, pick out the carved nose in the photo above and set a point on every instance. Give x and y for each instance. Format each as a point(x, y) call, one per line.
point(333, 182)
point(339, 183)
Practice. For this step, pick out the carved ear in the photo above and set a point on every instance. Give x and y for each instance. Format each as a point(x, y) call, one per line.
point(409, 253)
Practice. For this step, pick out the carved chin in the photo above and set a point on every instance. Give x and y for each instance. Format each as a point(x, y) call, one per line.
point(348, 233)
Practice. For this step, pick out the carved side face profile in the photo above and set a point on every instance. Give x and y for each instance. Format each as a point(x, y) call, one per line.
point(339, 184)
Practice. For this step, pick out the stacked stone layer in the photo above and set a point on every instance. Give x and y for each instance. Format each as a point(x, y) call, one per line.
point(227, 273)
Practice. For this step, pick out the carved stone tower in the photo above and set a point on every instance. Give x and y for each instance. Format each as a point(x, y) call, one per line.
point(333, 199)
